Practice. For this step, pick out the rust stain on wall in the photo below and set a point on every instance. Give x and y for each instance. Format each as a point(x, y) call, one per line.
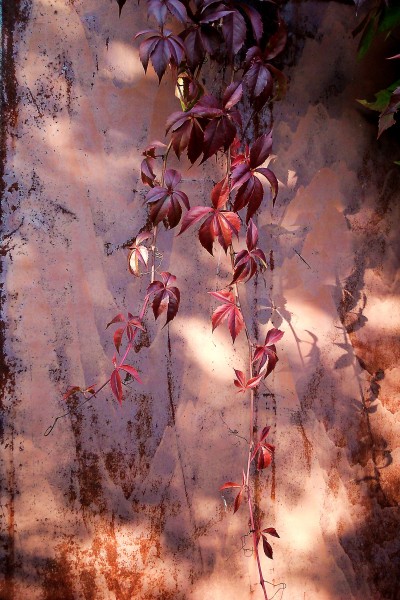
point(14, 15)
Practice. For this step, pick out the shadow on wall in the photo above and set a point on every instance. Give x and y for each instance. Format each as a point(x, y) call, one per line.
point(129, 506)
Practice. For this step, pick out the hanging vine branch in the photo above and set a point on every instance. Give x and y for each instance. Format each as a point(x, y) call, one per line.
point(244, 40)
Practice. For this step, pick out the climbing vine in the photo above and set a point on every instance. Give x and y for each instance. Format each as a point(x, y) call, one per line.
point(243, 39)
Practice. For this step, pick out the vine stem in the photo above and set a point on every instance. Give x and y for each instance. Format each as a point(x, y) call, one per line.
point(251, 436)
point(141, 316)
point(251, 441)
point(255, 544)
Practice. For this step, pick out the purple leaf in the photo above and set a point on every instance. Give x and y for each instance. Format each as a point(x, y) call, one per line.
point(166, 296)
point(232, 95)
point(146, 171)
point(260, 150)
point(160, 57)
point(240, 174)
point(251, 235)
point(268, 174)
point(255, 19)
point(258, 80)
point(158, 10)
point(234, 32)
point(219, 133)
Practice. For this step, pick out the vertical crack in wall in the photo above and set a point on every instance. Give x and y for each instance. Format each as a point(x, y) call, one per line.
point(178, 445)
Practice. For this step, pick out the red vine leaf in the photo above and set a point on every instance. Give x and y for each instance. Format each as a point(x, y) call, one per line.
point(270, 176)
point(245, 265)
point(218, 225)
point(244, 173)
point(139, 254)
point(255, 19)
point(132, 323)
point(187, 132)
point(234, 31)
point(118, 319)
point(200, 39)
point(159, 9)
point(146, 168)
point(71, 391)
point(162, 48)
point(208, 126)
point(230, 484)
point(116, 381)
point(223, 119)
point(260, 77)
point(118, 338)
point(266, 354)
point(239, 497)
point(265, 451)
point(78, 390)
point(219, 133)
point(262, 534)
point(267, 548)
point(271, 531)
point(260, 150)
point(220, 193)
point(232, 95)
point(227, 312)
point(146, 171)
point(116, 385)
point(244, 384)
point(202, 36)
point(132, 372)
point(257, 78)
point(166, 200)
point(166, 296)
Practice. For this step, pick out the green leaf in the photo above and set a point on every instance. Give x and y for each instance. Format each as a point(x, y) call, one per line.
point(382, 98)
point(390, 18)
point(367, 37)
point(397, 162)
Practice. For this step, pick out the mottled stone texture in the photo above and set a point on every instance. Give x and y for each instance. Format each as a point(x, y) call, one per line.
point(123, 502)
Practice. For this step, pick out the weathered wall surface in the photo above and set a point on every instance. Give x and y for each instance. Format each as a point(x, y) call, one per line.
point(123, 502)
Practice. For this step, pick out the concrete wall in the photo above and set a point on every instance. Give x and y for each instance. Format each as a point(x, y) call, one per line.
point(123, 502)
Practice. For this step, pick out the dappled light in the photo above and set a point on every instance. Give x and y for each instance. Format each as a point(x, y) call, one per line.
point(122, 498)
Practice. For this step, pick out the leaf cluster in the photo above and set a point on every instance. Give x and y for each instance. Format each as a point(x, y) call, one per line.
point(383, 18)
